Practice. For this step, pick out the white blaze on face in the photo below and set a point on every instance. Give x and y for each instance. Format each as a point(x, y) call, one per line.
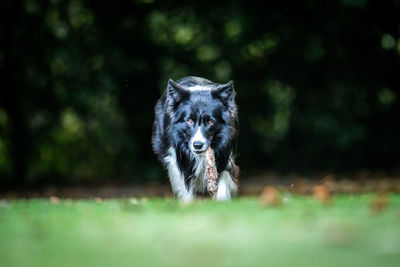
point(199, 88)
point(198, 136)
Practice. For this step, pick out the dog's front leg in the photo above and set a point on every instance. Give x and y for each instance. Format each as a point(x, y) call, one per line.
point(226, 187)
point(178, 182)
point(176, 178)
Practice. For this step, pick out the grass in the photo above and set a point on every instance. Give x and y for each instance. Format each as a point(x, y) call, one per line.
point(163, 232)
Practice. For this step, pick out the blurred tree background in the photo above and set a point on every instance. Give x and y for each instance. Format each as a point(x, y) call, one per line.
point(317, 83)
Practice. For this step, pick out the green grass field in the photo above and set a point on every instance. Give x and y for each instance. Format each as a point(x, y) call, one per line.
point(164, 232)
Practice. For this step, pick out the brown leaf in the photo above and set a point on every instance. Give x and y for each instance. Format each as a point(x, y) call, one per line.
point(322, 193)
point(270, 196)
point(379, 203)
point(329, 182)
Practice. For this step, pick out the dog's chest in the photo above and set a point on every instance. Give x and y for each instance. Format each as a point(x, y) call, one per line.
point(199, 182)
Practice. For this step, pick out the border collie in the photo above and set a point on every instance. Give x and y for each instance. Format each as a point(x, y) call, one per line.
point(191, 115)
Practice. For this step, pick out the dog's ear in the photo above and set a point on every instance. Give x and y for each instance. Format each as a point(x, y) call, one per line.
point(225, 92)
point(176, 92)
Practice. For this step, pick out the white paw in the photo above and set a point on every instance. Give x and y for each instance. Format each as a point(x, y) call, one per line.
point(186, 198)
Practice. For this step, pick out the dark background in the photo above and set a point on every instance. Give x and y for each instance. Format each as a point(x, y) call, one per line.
point(317, 83)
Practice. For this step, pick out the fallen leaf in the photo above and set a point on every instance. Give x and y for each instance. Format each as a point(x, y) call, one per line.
point(270, 196)
point(322, 193)
point(329, 182)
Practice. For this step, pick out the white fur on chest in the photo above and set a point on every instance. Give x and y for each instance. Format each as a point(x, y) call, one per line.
point(199, 181)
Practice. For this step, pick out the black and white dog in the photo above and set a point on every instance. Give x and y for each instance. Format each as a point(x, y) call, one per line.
point(191, 115)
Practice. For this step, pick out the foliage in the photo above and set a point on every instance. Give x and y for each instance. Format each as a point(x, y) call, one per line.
point(317, 82)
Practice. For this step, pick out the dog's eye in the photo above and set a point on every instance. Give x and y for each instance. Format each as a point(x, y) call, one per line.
point(189, 121)
point(210, 123)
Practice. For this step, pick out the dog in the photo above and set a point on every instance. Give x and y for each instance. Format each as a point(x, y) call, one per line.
point(192, 114)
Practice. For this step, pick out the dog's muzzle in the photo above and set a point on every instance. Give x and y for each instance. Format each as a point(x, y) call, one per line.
point(199, 143)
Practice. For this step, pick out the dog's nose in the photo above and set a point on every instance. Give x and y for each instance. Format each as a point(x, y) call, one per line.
point(198, 144)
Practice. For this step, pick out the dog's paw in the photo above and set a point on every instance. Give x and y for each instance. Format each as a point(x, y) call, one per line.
point(187, 198)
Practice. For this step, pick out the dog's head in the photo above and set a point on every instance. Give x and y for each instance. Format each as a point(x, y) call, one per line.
point(200, 114)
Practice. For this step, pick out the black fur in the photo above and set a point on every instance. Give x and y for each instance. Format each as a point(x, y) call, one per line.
point(171, 127)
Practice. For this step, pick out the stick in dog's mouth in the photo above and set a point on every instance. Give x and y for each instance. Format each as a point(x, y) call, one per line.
point(212, 174)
